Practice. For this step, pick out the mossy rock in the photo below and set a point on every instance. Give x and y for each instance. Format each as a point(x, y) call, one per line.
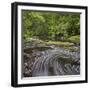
point(75, 39)
point(72, 49)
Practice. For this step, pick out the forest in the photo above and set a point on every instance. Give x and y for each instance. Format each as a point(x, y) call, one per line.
point(53, 33)
point(51, 26)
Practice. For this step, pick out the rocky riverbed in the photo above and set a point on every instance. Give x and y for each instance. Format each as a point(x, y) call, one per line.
point(50, 61)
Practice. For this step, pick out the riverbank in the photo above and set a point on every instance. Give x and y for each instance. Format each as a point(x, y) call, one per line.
point(51, 44)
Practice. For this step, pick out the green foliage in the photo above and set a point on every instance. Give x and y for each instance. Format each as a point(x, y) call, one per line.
point(50, 25)
point(75, 39)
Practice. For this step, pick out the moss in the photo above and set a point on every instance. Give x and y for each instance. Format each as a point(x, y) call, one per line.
point(59, 43)
point(72, 49)
point(74, 39)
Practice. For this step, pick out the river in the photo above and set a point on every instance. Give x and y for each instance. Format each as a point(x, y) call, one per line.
point(50, 61)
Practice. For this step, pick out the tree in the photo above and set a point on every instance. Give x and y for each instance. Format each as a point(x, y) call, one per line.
point(50, 25)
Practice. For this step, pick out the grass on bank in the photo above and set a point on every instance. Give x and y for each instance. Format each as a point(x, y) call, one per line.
point(74, 39)
point(59, 43)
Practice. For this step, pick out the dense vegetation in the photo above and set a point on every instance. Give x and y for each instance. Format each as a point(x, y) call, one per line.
point(52, 26)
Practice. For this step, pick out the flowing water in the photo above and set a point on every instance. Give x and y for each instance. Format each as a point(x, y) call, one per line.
point(52, 62)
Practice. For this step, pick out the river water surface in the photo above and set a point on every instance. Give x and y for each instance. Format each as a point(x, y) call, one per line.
point(53, 61)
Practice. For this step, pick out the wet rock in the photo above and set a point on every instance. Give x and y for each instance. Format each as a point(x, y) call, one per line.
point(51, 62)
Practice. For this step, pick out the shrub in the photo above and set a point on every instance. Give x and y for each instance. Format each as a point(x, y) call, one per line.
point(75, 39)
